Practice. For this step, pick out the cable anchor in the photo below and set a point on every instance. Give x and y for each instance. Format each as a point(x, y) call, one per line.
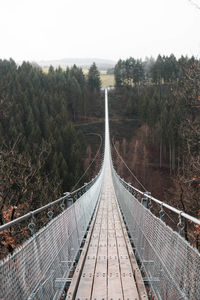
point(32, 225)
point(62, 205)
point(50, 213)
point(161, 212)
point(181, 224)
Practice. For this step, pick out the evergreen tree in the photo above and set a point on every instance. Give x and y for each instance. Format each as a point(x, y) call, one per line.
point(94, 81)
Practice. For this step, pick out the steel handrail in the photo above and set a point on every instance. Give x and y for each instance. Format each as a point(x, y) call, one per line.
point(31, 214)
point(175, 210)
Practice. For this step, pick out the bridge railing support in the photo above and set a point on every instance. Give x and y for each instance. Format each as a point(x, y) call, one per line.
point(170, 264)
point(145, 199)
point(38, 269)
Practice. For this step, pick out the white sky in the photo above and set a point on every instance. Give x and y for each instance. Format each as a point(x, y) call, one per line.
point(113, 29)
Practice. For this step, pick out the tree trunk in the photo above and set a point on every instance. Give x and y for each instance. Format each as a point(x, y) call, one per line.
point(161, 153)
point(170, 159)
point(184, 209)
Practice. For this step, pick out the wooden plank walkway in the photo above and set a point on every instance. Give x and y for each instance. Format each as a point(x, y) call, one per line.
point(107, 268)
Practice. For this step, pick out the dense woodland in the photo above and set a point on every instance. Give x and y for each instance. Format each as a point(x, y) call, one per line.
point(164, 94)
point(41, 152)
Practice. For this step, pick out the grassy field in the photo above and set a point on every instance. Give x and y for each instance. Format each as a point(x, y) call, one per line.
point(106, 79)
point(45, 70)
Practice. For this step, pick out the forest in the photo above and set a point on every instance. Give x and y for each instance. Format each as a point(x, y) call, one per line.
point(41, 152)
point(164, 95)
point(43, 144)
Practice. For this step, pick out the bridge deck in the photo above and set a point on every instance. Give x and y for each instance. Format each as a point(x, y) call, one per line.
point(107, 268)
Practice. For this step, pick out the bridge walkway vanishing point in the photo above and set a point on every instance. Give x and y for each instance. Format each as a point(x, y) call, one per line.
point(107, 268)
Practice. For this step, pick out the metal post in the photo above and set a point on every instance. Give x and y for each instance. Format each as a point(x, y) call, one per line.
point(145, 200)
point(161, 212)
point(31, 225)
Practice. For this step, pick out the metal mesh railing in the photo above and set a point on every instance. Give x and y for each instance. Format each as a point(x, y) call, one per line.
point(170, 263)
point(40, 268)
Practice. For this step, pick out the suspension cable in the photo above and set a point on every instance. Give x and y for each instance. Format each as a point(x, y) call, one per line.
point(127, 166)
point(91, 161)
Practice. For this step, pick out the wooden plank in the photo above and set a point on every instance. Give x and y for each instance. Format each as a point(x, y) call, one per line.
point(109, 269)
point(100, 276)
point(76, 276)
point(127, 277)
point(84, 290)
point(114, 276)
point(136, 271)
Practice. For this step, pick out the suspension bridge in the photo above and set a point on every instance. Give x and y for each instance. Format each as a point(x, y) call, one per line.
point(106, 245)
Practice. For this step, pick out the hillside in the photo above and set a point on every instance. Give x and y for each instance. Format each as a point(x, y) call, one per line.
point(85, 63)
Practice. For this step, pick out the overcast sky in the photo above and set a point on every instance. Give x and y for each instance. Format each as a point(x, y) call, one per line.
point(54, 29)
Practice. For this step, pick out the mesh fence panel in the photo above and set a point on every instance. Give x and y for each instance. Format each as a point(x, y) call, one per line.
point(32, 270)
point(171, 264)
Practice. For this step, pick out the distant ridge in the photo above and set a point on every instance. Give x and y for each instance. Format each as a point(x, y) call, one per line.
point(85, 63)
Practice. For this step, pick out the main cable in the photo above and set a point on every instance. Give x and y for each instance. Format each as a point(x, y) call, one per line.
point(91, 161)
point(127, 166)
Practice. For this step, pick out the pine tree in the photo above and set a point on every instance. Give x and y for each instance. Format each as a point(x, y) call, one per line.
point(94, 81)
